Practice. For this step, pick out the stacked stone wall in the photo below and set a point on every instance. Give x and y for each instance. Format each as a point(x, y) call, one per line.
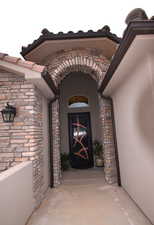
point(22, 140)
point(110, 167)
point(56, 142)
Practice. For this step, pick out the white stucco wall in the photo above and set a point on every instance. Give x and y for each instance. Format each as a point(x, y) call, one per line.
point(46, 156)
point(82, 85)
point(16, 194)
point(134, 117)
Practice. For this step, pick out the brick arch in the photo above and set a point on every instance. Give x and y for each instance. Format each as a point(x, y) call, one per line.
point(88, 61)
point(92, 62)
point(75, 64)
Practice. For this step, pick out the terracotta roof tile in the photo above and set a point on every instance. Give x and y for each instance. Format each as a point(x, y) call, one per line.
point(11, 59)
point(2, 55)
point(27, 64)
point(38, 68)
point(23, 63)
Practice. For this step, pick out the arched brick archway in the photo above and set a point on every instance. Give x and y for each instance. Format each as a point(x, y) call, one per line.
point(96, 65)
point(90, 61)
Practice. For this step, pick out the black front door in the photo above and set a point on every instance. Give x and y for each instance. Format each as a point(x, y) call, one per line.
point(81, 155)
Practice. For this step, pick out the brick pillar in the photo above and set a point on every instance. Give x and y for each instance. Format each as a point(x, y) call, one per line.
point(110, 168)
point(56, 143)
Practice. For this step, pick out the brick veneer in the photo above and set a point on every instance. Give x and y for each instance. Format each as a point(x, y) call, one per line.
point(56, 142)
point(22, 140)
point(110, 167)
point(87, 60)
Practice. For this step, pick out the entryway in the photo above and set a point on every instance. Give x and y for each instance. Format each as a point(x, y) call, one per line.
point(78, 93)
point(85, 199)
point(79, 118)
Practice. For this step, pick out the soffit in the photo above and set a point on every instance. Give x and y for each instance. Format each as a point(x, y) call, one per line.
point(49, 47)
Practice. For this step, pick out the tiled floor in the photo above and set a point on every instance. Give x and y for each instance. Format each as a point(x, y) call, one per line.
point(85, 199)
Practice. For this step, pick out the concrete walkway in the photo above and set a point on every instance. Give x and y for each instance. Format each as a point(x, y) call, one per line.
point(85, 199)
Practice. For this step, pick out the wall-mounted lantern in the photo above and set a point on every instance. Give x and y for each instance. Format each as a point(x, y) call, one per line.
point(8, 113)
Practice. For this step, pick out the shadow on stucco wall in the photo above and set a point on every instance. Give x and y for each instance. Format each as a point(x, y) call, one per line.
point(145, 117)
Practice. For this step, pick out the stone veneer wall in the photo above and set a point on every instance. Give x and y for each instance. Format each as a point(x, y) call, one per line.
point(110, 167)
point(22, 140)
point(56, 143)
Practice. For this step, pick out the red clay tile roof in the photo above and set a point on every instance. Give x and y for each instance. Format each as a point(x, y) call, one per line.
point(23, 63)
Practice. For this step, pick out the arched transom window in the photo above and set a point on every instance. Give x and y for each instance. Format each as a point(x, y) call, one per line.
point(78, 102)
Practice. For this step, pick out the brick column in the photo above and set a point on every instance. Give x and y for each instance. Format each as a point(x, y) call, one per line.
point(56, 143)
point(110, 167)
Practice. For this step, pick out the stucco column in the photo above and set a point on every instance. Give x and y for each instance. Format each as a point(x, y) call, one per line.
point(110, 168)
point(56, 142)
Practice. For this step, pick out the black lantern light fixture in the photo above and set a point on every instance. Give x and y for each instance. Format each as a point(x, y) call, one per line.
point(8, 113)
